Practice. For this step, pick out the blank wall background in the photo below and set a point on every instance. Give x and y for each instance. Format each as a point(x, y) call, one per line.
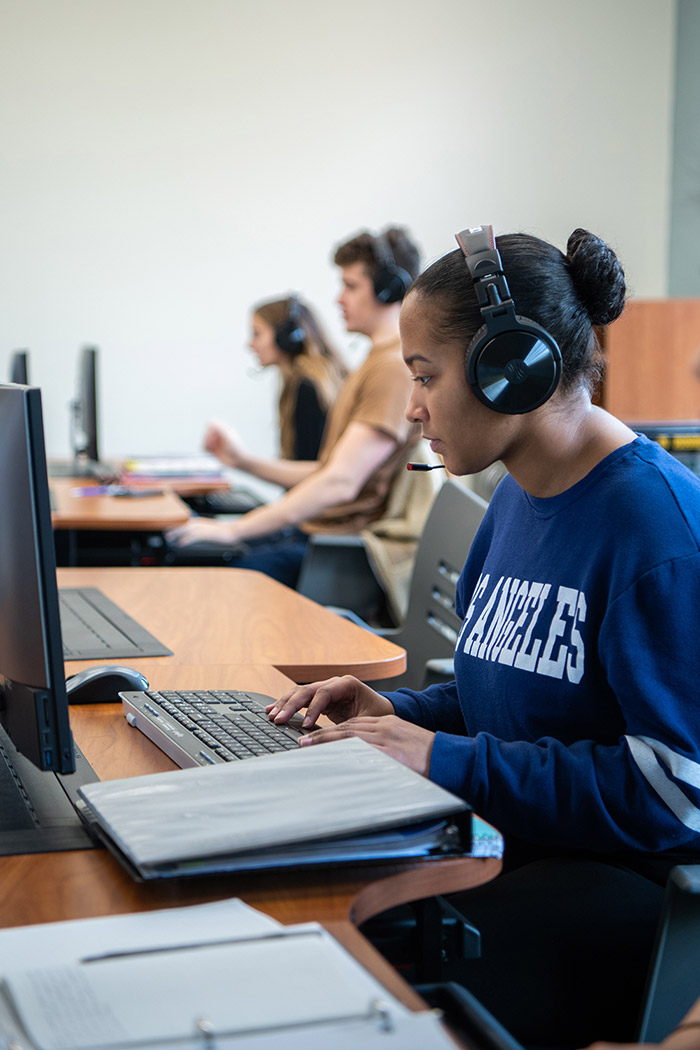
point(166, 163)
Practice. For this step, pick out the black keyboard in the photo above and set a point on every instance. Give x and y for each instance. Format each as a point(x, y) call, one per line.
point(205, 727)
point(224, 501)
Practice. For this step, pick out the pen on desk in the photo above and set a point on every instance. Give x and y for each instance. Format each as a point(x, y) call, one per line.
point(425, 466)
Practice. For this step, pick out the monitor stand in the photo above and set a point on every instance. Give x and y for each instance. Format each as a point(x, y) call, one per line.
point(37, 811)
point(83, 468)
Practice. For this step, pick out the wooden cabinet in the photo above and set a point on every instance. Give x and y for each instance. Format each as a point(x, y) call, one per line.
point(651, 352)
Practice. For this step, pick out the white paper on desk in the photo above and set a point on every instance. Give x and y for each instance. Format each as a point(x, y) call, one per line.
point(300, 977)
point(340, 789)
point(175, 466)
point(69, 942)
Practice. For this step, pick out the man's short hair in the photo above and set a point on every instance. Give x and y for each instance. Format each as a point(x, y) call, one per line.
point(362, 248)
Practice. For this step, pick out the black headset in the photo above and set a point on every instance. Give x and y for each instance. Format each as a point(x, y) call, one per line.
point(290, 334)
point(513, 365)
point(391, 282)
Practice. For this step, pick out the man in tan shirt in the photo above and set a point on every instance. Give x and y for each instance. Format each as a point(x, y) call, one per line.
point(367, 438)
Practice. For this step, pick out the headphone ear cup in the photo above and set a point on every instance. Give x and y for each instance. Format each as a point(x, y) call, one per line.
point(514, 371)
point(391, 284)
point(290, 336)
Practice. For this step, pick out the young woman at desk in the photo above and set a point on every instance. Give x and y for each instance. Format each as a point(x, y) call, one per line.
point(572, 724)
point(286, 335)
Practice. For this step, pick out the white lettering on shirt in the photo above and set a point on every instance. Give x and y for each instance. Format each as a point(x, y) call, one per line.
point(515, 625)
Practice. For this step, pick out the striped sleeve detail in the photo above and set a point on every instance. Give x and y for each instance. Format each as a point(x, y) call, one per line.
point(655, 762)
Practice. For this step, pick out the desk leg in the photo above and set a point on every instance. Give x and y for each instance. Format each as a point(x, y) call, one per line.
point(66, 547)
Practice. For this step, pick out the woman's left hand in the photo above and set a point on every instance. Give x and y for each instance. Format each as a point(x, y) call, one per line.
point(409, 744)
point(198, 530)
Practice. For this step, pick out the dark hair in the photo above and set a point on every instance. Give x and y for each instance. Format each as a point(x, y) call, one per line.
point(363, 248)
point(568, 295)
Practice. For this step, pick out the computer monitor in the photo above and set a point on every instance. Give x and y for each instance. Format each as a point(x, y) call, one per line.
point(681, 439)
point(33, 700)
point(19, 367)
point(85, 412)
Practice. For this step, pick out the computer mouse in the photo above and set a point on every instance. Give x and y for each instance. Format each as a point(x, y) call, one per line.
point(103, 683)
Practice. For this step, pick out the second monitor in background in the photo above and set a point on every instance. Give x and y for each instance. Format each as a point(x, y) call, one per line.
point(19, 367)
point(84, 424)
point(84, 411)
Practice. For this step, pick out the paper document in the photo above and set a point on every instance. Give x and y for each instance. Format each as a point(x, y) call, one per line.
point(174, 466)
point(280, 987)
point(77, 939)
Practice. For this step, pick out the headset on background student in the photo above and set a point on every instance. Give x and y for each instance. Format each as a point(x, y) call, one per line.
point(391, 281)
point(290, 333)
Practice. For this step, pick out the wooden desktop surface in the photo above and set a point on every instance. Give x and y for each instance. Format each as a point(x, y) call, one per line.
point(106, 512)
point(85, 883)
point(215, 617)
point(228, 612)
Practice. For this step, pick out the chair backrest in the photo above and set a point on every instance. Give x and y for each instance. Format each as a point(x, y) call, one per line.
point(431, 626)
point(369, 573)
point(673, 983)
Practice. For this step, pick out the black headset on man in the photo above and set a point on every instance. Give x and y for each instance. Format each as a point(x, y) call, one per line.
point(513, 365)
point(391, 281)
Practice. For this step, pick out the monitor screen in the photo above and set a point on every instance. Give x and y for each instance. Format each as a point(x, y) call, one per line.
point(33, 701)
point(681, 439)
point(19, 367)
point(85, 441)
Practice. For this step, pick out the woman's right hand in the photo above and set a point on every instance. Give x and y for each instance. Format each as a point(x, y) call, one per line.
point(339, 698)
point(223, 442)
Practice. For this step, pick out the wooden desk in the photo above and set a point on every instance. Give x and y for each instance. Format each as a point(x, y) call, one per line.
point(212, 618)
point(226, 626)
point(182, 484)
point(146, 513)
point(85, 883)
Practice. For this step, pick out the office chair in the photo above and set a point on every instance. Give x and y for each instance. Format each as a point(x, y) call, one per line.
point(673, 983)
point(369, 573)
point(430, 629)
point(336, 567)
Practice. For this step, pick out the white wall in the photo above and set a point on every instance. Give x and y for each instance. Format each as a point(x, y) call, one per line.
point(684, 256)
point(165, 163)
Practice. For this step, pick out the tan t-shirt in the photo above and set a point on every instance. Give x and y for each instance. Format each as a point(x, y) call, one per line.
point(376, 394)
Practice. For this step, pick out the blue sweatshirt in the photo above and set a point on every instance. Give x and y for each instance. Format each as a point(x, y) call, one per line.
point(574, 718)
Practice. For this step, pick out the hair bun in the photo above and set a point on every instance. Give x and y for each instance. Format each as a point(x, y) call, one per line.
point(597, 275)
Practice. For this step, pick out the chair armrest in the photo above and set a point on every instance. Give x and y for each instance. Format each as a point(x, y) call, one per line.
point(467, 1018)
point(336, 539)
point(335, 571)
point(438, 671)
point(348, 614)
point(686, 877)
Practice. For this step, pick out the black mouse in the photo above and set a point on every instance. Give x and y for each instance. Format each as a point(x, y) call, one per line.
point(102, 684)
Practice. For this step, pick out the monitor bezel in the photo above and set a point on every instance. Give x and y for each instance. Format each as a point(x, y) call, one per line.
point(35, 714)
point(86, 408)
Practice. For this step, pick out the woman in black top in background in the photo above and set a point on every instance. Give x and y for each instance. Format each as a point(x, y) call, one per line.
point(286, 334)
